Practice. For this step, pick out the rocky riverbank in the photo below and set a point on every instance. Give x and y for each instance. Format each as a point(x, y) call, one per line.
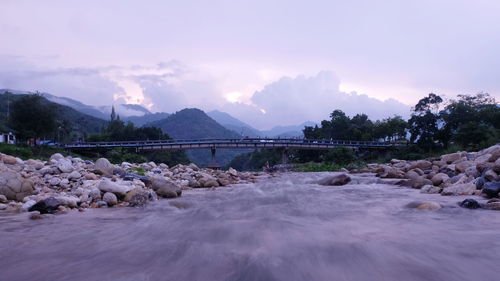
point(460, 173)
point(63, 183)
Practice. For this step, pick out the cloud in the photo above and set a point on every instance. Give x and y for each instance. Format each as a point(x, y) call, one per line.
point(291, 101)
point(87, 85)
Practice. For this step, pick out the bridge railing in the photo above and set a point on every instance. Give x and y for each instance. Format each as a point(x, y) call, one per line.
point(261, 141)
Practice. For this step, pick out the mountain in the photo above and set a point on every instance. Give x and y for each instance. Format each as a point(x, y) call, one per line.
point(140, 121)
point(79, 122)
point(233, 124)
point(287, 131)
point(125, 110)
point(192, 123)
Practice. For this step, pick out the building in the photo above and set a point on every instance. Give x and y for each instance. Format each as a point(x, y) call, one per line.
point(9, 138)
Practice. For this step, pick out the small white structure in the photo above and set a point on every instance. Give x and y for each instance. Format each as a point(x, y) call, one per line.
point(9, 138)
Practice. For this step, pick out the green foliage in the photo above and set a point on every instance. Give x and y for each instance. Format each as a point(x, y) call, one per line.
point(317, 167)
point(31, 118)
point(341, 156)
point(118, 156)
point(256, 160)
point(139, 170)
point(169, 157)
point(17, 151)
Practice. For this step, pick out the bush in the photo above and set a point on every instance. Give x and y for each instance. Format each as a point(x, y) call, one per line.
point(17, 151)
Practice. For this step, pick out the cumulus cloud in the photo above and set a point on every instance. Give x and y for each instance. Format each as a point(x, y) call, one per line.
point(291, 101)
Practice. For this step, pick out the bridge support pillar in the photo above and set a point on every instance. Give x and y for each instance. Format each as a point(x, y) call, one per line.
point(213, 164)
point(284, 156)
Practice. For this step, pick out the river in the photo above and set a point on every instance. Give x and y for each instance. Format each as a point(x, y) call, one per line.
point(282, 228)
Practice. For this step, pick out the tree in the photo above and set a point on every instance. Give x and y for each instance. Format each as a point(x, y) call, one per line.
point(424, 121)
point(32, 118)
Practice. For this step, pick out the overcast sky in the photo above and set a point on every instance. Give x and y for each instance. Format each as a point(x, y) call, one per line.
point(265, 62)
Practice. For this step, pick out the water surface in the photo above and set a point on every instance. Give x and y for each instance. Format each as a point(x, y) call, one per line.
point(284, 228)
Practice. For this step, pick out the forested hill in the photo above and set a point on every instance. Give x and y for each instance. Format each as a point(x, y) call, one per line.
point(65, 116)
point(192, 123)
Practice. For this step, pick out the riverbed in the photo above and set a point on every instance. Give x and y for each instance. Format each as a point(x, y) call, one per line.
point(282, 228)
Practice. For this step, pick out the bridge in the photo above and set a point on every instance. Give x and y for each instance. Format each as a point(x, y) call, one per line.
point(242, 143)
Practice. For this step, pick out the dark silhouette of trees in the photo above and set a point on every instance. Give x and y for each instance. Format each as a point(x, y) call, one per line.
point(32, 118)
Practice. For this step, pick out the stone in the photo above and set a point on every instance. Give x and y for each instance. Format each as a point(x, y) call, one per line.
point(421, 164)
point(54, 181)
point(13, 186)
point(104, 166)
point(232, 172)
point(470, 204)
point(472, 172)
point(27, 205)
point(90, 176)
point(35, 215)
point(101, 204)
point(430, 189)
point(10, 160)
point(75, 175)
point(450, 158)
point(137, 197)
point(65, 165)
point(132, 176)
point(491, 189)
point(46, 206)
point(462, 166)
point(496, 166)
point(3, 206)
point(479, 182)
point(428, 206)
point(69, 201)
point(335, 180)
point(390, 172)
point(482, 167)
point(194, 167)
point(3, 199)
point(490, 175)
point(439, 178)
point(110, 198)
point(483, 158)
point(459, 189)
point(56, 157)
point(95, 194)
point(423, 205)
point(166, 188)
point(106, 185)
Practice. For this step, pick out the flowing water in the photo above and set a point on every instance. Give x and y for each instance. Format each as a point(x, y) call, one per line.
point(283, 228)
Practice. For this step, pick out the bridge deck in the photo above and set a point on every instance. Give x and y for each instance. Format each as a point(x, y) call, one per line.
point(244, 143)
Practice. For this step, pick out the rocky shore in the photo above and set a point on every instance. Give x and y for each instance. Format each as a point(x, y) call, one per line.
point(460, 173)
point(62, 184)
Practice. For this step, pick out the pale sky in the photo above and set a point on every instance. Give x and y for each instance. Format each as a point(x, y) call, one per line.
point(265, 62)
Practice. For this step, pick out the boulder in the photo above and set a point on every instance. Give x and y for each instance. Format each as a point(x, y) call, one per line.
point(65, 166)
point(10, 160)
point(232, 172)
point(137, 197)
point(496, 166)
point(106, 185)
point(439, 178)
point(428, 206)
point(479, 182)
point(165, 188)
point(104, 166)
point(110, 198)
point(13, 186)
point(472, 172)
point(470, 204)
point(482, 159)
point(207, 180)
point(3, 199)
point(69, 201)
point(481, 167)
point(46, 206)
point(495, 205)
point(491, 189)
point(75, 175)
point(390, 172)
point(54, 181)
point(56, 157)
point(459, 189)
point(450, 158)
point(421, 164)
point(335, 180)
point(490, 175)
point(462, 166)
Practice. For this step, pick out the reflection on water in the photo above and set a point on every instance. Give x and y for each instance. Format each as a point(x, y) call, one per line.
point(286, 228)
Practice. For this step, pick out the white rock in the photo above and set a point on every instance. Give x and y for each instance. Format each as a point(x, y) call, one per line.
point(108, 186)
point(74, 175)
point(69, 201)
point(55, 181)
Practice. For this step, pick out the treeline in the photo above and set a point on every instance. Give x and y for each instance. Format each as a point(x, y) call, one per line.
point(470, 122)
point(118, 130)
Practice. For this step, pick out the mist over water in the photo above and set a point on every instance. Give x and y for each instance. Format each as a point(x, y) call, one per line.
point(283, 228)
